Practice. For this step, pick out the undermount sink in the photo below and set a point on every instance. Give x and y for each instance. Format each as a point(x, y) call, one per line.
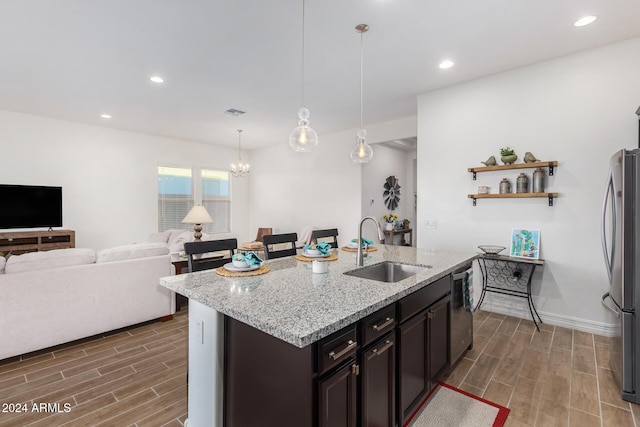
point(387, 271)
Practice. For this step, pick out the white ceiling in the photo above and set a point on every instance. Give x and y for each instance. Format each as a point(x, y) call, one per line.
point(77, 59)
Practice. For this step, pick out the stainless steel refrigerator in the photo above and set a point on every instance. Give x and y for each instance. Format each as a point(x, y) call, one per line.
point(620, 242)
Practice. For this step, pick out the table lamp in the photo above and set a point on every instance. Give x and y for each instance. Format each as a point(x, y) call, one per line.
point(197, 216)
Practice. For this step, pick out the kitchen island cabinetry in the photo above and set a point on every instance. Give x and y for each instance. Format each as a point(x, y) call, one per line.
point(294, 348)
point(378, 383)
point(423, 349)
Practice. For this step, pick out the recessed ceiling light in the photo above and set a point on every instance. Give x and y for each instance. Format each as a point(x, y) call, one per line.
point(105, 116)
point(446, 64)
point(585, 20)
point(156, 79)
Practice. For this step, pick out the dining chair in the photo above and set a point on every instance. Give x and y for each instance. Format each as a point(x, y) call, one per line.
point(256, 245)
point(279, 245)
point(199, 263)
point(331, 233)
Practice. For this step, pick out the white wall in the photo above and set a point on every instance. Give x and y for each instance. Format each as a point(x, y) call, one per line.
point(109, 177)
point(578, 110)
point(386, 162)
point(321, 189)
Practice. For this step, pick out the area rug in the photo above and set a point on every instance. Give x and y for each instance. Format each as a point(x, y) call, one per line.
point(449, 406)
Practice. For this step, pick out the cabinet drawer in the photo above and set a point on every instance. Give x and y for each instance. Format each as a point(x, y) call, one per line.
point(419, 300)
point(337, 348)
point(377, 324)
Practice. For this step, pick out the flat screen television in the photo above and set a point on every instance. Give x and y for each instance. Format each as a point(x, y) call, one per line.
point(30, 206)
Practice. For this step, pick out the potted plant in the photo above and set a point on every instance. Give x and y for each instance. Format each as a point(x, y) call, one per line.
point(389, 220)
point(508, 156)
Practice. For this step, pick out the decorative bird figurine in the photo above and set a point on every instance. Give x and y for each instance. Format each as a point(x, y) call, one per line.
point(491, 161)
point(530, 158)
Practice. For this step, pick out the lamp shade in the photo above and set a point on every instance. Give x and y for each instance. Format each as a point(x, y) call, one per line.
point(198, 215)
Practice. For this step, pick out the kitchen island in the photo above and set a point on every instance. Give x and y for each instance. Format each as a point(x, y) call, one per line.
point(268, 331)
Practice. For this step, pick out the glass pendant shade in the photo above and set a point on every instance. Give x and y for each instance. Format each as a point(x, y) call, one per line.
point(362, 152)
point(303, 138)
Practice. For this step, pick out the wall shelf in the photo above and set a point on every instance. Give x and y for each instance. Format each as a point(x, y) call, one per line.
point(548, 164)
point(550, 196)
point(551, 164)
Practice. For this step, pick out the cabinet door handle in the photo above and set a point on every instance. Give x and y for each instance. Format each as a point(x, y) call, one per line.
point(350, 346)
point(388, 321)
point(384, 348)
point(431, 314)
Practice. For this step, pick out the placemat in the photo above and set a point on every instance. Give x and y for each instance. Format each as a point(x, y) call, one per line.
point(228, 273)
point(331, 257)
point(348, 249)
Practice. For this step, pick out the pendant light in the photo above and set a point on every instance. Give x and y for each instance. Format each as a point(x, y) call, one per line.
point(303, 138)
point(362, 152)
point(240, 169)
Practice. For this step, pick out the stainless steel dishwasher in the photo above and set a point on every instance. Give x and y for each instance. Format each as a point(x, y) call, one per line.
point(461, 325)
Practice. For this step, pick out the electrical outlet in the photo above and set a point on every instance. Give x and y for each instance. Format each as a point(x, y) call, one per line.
point(431, 224)
point(198, 332)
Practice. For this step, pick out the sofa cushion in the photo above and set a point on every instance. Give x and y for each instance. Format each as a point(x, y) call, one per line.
point(140, 250)
point(161, 237)
point(47, 260)
point(176, 242)
point(3, 262)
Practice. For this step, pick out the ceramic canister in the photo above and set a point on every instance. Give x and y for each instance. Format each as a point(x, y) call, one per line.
point(522, 183)
point(505, 186)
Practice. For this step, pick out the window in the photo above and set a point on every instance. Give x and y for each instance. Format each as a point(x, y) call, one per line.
point(216, 199)
point(179, 188)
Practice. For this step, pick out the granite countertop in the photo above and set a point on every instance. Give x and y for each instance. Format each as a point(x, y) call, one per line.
point(300, 307)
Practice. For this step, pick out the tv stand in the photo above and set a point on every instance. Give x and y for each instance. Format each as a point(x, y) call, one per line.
point(20, 242)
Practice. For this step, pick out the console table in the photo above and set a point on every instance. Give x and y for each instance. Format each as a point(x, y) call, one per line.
point(402, 232)
point(503, 274)
point(20, 242)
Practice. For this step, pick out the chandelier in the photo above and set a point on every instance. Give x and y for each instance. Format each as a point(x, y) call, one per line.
point(240, 169)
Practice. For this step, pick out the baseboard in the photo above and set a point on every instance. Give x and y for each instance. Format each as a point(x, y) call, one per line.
point(508, 308)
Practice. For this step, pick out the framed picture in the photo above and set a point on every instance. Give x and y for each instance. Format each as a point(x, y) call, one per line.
point(525, 243)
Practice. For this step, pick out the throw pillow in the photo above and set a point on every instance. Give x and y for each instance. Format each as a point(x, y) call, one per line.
point(140, 250)
point(177, 244)
point(3, 262)
point(161, 237)
point(35, 261)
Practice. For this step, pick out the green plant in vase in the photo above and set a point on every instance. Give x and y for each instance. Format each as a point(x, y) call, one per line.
point(508, 156)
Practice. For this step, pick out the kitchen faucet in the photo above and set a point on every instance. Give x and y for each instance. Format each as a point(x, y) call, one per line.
point(359, 255)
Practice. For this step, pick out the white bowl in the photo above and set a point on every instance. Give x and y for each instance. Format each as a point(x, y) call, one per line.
point(240, 263)
point(312, 251)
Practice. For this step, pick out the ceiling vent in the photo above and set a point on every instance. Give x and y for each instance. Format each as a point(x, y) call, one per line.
point(233, 112)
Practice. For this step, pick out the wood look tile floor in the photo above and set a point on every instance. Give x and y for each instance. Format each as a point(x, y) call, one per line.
point(133, 377)
point(555, 377)
point(137, 377)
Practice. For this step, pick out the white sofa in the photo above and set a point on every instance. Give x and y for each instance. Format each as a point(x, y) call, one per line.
point(50, 298)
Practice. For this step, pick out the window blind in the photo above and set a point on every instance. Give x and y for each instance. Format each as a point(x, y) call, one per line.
point(175, 196)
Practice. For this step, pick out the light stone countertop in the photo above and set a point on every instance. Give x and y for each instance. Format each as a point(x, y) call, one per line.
point(300, 307)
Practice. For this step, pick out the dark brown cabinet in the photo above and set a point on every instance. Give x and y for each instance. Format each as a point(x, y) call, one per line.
point(378, 383)
point(373, 373)
point(337, 394)
point(438, 338)
point(413, 375)
point(423, 344)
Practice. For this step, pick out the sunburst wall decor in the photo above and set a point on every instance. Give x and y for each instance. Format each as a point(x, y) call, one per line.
point(391, 193)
